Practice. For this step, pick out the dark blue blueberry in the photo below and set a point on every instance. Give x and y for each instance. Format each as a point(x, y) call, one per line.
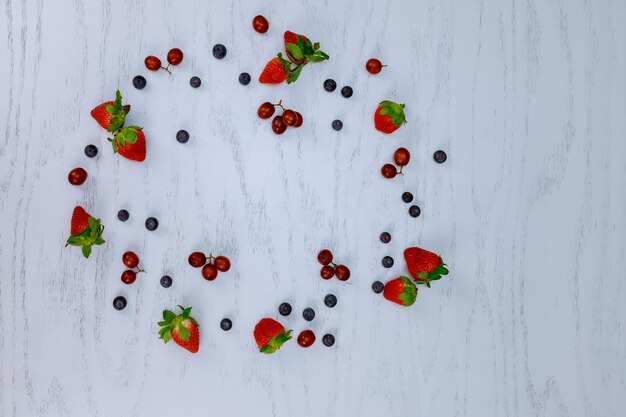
point(330, 85)
point(284, 309)
point(226, 324)
point(346, 92)
point(330, 300)
point(328, 340)
point(182, 136)
point(91, 151)
point(152, 224)
point(139, 82)
point(308, 314)
point(378, 287)
point(244, 78)
point(385, 237)
point(119, 303)
point(123, 215)
point(195, 82)
point(440, 157)
point(337, 125)
point(219, 51)
point(387, 261)
point(415, 211)
point(166, 281)
point(407, 197)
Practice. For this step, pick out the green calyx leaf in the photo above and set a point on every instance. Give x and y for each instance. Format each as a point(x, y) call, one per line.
point(394, 111)
point(92, 235)
point(118, 113)
point(295, 51)
point(294, 74)
point(409, 293)
point(434, 275)
point(276, 342)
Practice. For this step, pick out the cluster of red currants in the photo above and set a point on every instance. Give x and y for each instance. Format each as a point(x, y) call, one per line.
point(131, 260)
point(211, 265)
point(289, 118)
point(174, 57)
point(401, 157)
point(329, 270)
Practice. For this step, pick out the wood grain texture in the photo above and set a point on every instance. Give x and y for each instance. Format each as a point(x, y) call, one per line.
point(527, 97)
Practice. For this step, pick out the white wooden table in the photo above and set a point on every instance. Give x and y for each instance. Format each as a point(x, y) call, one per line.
point(529, 101)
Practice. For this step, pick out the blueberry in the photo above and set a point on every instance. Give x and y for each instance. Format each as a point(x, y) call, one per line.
point(152, 224)
point(308, 314)
point(226, 324)
point(346, 92)
point(284, 309)
point(337, 125)
point(330, 85)
point(91, 151)
point(182, 136)
point(139, 82)
point(123, 215)
point(119, 303)
point(244, 78)
point(387, 261)
point(166, 281)
point(385, 237)
point(415, 211)
point(195, 82)
point(378, 287)
point(328, 340)
point(440, 157)
point(330, 300)
point(407, 197)
point(219, 51)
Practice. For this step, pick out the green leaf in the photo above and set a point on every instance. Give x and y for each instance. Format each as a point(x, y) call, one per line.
point(186, 312)
point(293, 75)
point(163, 323)
point(315, 58)
point(86, 251)
point(183, 333)
point(168, 315)
point(99, 241)
point(316, 46)
point(131, 136)
point(167, 336)
point(111, 109)
point(93, 225)
point(295, 51)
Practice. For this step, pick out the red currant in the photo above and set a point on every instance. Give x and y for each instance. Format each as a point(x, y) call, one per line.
point(130, 259)
point(128, 276)
point(175, 56)
point(373, 66)
point(325, 257)
point(222, 263)
point(401, 157)
point(290, 118)
point(300, 120)
point(209, 272)
point(388, 171)
point(306, 338)
point(260, 24)
point(197, 259)
point(152, 63)
point(327, 272)
point(266, 110)
point(342, 272)
point(77, 176)
point(278, 126)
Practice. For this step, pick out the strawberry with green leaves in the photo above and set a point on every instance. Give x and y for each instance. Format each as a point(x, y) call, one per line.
point(270, 335)
point(424, 266)
point(401, 291)
point(130, 142)
point(389, 116)
point(111, 114)
point(85, 231)
point(182, 328)
point(300, 51)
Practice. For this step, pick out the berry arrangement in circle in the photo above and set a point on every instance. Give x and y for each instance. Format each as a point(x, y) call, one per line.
point(130, 142)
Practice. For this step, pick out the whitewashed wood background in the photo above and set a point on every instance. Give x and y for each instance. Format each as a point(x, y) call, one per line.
point(527, 97)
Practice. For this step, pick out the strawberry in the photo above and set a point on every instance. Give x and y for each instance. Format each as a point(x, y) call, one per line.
point(401, 291)
point(130, 142)
point(111, 114)
point(389, 116)
point(270, 335)
point(85, 231)
point(293, 39)
point(275, 72)
point(424, 266)
point(182, 328)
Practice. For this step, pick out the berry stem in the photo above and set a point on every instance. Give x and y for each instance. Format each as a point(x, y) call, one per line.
point(167, 69)
point(279, 104)
point(139, 270)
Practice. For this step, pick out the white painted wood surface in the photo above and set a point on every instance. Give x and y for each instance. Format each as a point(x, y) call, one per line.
point(527, 97)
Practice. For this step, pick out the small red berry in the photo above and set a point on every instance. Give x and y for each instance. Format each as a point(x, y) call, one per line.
point(130, 259)
point(342, 272)
point(388, 171)
point(401, 157)
point(290, 118)
point(260, 24)
point(325, 257)
point(128, 276)
point(77, 176)
point(306, 338)
point(175, 56)
point(373, 66)
point(209, 272)
point(266, 110)
point(300, 120)
point(327, 272)
point(197, 259)
point(152, 63)
point(278, 126)
point(222, 263)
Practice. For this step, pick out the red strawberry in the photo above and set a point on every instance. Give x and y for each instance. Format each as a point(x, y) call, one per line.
point(424, 266)
point(270, 335)
point(291, 37)
point(85, 231)
point(130, 142)
point(401, 291)
point(182, 328)
point(389, 116)
point(275, 72)
point(111, 114)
